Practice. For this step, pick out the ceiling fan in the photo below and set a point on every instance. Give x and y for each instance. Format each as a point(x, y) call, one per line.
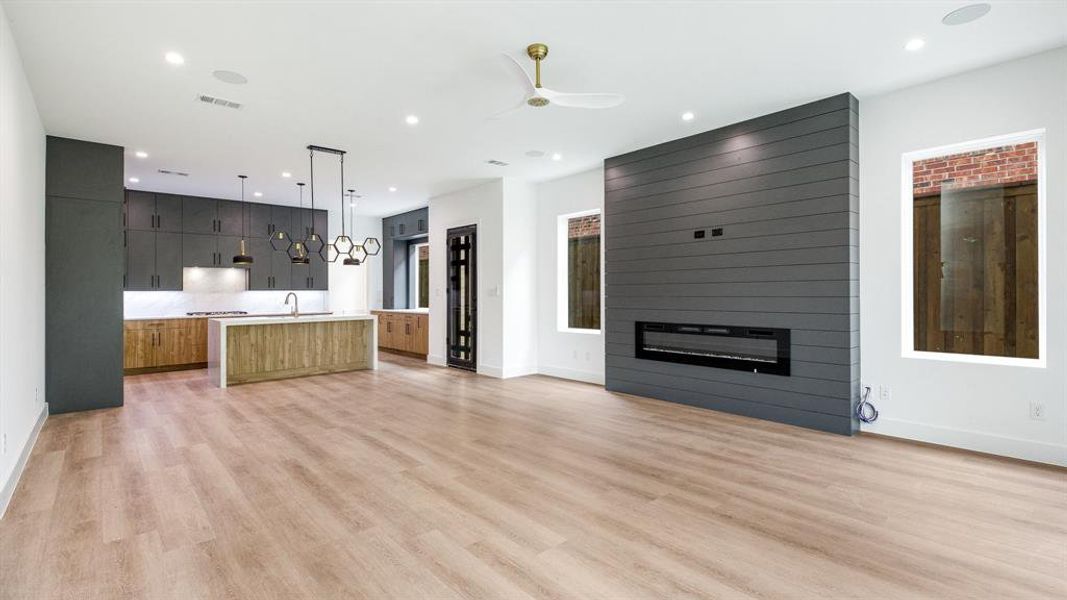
point(538, 96)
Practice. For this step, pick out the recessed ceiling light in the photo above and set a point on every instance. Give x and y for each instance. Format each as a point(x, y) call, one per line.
point(174, 58)
point(914, 44)
point(286, 174)
point(557, 156)
point(971, 12)
point(134, 180)
point(230, 77)
point(392, 189)
point(257, 194)
point(141, 154)
point(688, 116)
point(411, 120)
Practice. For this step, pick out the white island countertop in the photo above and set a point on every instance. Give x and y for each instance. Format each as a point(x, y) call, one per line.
point(275, 349)
point(304, 318)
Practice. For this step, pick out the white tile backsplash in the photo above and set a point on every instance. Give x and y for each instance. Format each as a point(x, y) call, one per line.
point(211, 289)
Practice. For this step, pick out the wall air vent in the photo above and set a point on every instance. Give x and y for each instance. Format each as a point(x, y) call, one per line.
point(209, 99)
point(169, 172)
point(496, 163)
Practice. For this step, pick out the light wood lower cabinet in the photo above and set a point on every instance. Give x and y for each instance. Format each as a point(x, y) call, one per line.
point(403, 332)
point(164, 344)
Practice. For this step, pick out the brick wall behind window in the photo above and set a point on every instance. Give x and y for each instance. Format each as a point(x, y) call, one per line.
point(982, 168)
point(580, 227)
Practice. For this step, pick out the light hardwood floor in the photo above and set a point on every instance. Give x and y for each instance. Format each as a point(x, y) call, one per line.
point(419, 481)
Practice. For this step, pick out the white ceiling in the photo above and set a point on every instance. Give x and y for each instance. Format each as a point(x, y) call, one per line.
point(346, 74)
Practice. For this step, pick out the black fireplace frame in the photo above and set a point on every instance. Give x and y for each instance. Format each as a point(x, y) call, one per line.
point(781, 337)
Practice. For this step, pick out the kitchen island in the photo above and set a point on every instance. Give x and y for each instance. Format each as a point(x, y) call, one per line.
point(247, 350)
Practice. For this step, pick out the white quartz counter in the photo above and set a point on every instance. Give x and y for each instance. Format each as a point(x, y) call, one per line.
point(218, 349)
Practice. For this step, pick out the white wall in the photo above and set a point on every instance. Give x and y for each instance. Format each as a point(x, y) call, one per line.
point(564, 354)
point(520, 279)
point(482, 205)
point(22, 218)
point(980, 407)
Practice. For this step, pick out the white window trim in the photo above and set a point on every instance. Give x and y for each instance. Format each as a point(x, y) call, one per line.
point(907, 299)
point(561, 273)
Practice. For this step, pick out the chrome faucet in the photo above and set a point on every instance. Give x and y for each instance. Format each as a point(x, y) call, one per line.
point(296, 304)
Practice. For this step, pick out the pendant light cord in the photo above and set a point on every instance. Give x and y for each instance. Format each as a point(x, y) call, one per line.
point(342, 195)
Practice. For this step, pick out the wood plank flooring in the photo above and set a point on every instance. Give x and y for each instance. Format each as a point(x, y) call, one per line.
point(424, 482)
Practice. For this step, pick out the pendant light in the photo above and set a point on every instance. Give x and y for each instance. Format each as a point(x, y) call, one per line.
point(356, 254)
point(243, 258)
point(312, 240)
point(298, 250)
point(342, 244)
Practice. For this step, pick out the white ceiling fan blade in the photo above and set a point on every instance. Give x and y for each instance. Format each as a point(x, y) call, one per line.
point(520, 75)
point(583, 100)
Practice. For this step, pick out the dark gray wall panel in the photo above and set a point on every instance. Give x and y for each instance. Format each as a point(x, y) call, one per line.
point(86, 170)
point(83, 307)
point(783, 189)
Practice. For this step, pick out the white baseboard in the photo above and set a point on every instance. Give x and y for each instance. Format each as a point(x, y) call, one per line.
point(1043, 452)
point(574, 374)
point(8, 489)
point(520, 371)
point(491, 371)
point(436, 359)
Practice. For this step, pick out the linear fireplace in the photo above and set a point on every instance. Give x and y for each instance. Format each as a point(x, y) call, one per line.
point(757, 349)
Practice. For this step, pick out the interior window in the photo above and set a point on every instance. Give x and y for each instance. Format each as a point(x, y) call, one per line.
point(975, 252)
point(583, 271)
point(423, 293)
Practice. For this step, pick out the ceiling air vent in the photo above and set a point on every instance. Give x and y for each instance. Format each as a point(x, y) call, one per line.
point(209, 99)
point(169, 172)
point(496, 163)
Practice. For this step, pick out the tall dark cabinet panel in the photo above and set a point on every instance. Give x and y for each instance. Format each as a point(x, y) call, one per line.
point(751, 226)
point(397, 232)
point(83, 278)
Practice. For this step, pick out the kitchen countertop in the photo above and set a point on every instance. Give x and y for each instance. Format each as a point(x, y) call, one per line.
point(249, 316)
point(303, 318)
point(410, 311)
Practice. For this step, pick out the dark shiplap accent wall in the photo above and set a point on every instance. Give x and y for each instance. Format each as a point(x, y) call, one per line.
point(784, 189)
point(83, 275)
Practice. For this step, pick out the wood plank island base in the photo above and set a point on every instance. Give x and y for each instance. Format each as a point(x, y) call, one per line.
point(247, 350)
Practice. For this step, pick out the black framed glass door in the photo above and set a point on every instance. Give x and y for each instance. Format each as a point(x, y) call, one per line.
point(462, 297)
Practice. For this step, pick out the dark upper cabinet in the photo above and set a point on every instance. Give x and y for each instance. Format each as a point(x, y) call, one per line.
point(165, 233)
point(300, 223)
point(200, 250)
point(233, 219)
point(153, 260)
point(199, 215)
point(168, 213)
point(140, 210)
point(229, 247)
point(168, 261)
point(260, 272)
point(321, 219)
point(148, 211)
point(312, 276)
point(281, 270)
point(259, 217)
point(140, 260)
point(422, 223)
point(281, 219)
point(300, 277)
point(320, 274)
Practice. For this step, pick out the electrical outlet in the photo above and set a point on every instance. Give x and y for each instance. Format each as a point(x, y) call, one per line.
point(1037, 410)
point(884, 393)
point(4, 444)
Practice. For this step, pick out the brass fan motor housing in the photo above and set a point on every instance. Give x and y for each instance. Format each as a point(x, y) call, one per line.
point(537, 51)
